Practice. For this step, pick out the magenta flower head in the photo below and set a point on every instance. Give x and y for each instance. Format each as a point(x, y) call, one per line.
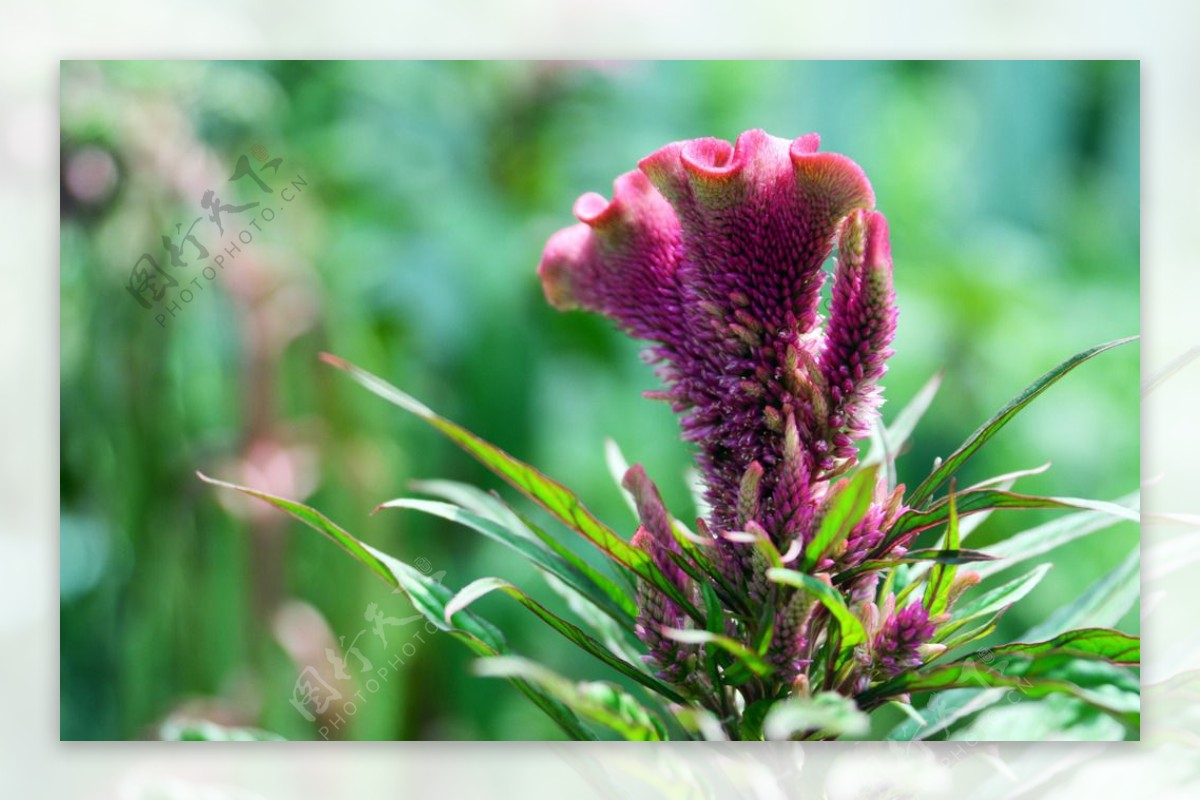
point(713, 253)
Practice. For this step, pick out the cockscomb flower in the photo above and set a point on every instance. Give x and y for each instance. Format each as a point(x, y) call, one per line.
point(776, 615)
point(714, 252)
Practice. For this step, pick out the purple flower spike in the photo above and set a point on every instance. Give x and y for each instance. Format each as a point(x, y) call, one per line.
point(902, 634)
point(788, 643)
point(620, 260)
point(658, 539)
point(862, 324)
point(674, 661)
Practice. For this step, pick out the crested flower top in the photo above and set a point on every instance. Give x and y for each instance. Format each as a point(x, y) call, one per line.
point(714, 253)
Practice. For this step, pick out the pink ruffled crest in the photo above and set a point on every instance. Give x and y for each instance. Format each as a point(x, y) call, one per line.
point(829, 185)
point(620, 260)
point(758, 218)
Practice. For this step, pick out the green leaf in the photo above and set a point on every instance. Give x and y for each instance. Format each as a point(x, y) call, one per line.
point(1006, 480)
point(599, 702)
point(965, 636)
point(552, 496)
point(852, 630)
point(1056, 533)
point(612, 589)
point(825, 714)
point(1057, 717)
point(698, 721)
point(910, 711)
point(945, 709)
point(610, 598)
point(994, 600)
point(750, 727)
point(969, 524)
point(971, 674)
point(617, 468)
point(426, 595)
point(714, 614)
point(941, 577)
point(1102, 604)
point(845, 510)
point(556, 498)
point(972, 501)
point(946, 556)
point(491, 506)
point(694, 559)
point(977, 440)
point(960, 556)
point(1109, 645)
point(753, 662)
point(475, 500)
point(898, 433)
point(480, 587)
point(620, 641)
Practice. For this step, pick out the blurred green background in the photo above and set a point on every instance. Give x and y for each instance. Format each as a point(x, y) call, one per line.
point(426, 193)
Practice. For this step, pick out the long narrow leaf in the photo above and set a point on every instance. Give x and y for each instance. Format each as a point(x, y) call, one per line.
point(428, 596)
point(961, 556)
point(550, 494)
point(977, 440)
point(1109, 645)
point(830, 714)
point(492, 507)
point(941, 575)
point(599, 702)
point(1048, 536)
point(611, 600)
point(620, 641)
point(755, 663)
point(481, 587)
point(971, 674)
point(974, 501)
point(1102, 604)
point(994, 600)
